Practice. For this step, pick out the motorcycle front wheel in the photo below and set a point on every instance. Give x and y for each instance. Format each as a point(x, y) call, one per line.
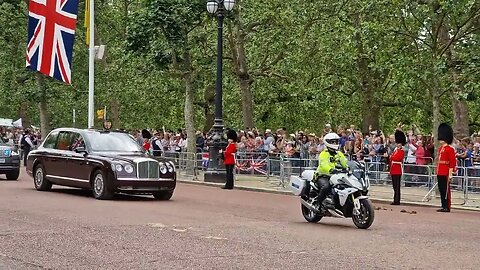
point(366, 216)
point(309, 215)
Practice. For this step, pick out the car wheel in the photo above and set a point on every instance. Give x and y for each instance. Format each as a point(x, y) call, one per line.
point(163, 195)
point(13, 175)
point(39, 179)
point(100, 190)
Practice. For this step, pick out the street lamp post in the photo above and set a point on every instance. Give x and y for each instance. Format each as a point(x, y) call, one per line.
point(216, 141)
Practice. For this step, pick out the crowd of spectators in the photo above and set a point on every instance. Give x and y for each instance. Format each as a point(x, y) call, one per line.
point(374, 146)
point(13, 135)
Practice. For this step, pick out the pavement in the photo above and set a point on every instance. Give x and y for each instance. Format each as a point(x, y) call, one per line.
point(381, 191)
point(205, 227)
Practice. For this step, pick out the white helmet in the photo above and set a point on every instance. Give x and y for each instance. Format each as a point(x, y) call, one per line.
point(331, 141)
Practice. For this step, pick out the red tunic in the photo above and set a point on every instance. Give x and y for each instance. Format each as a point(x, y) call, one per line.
point(229, 154)
point(396, 160)
point(446, 160)
point(146, 146)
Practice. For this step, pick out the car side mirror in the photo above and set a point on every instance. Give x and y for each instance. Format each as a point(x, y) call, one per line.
point(81, 150)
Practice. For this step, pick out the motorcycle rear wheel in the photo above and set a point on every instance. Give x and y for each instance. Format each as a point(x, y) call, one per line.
point(365, 219)
point(309, 215)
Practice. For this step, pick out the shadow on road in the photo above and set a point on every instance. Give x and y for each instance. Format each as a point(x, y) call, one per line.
point(4, 179)
point(88, 194)
point(321, 224)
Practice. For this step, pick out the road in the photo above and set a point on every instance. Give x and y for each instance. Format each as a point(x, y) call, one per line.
point(210, 228)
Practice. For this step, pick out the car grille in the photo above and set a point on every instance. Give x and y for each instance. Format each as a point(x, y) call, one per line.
point(148, 169)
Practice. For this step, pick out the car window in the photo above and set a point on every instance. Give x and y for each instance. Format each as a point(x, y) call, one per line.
point(77, 141)
point(64, 140)
point(51, 140)
point(111, 141)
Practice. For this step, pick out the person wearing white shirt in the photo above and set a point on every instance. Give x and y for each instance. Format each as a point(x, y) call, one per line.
point(27, 144)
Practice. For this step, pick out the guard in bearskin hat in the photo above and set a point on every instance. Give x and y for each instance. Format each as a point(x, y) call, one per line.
point(446, 165)
point(146, 134)
point(229, 157)
point(396, 160)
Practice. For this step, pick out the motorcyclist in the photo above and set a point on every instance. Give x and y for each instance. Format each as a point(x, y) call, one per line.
point(329, 162)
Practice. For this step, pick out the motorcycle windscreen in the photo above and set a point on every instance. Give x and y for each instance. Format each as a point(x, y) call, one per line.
point(358, 170)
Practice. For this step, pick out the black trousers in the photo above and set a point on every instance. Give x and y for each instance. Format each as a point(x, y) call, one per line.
point(443, 187)
point(229, 183)
point(26, 150)
point(396, 188)
point(323, 188)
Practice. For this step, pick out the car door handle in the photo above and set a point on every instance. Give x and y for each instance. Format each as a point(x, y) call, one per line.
point(66, 155)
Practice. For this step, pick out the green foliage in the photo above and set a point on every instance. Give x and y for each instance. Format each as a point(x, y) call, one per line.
point(317, 79)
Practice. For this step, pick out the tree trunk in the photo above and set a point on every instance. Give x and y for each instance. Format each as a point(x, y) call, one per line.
point(460, 117)
point(237, 45)
point(367, 79)
point(43, 106)
point(435, 95)
point(370, 112)
point(115, 112)
point(23, 114)
point(209, 97)
point(189, 111)
point(247, 103)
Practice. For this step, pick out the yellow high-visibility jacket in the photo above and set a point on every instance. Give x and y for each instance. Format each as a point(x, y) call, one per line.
point(326, 162)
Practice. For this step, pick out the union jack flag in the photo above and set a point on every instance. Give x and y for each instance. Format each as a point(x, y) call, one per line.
point(51, 32)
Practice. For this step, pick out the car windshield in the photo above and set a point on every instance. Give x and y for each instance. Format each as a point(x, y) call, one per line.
point(111, 142)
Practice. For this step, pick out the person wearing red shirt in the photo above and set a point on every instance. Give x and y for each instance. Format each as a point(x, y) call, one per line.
point(146, 145)
point(446, 165)
point(229, 158)
point(396, 160)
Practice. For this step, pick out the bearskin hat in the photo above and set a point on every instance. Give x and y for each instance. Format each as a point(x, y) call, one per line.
point(146, 134)
point(400, 137)
point(232, 135)
point(445, 133)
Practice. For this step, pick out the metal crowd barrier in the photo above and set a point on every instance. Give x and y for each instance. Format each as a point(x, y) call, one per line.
point(186, 163)
point(419, 180)
point(294, 166)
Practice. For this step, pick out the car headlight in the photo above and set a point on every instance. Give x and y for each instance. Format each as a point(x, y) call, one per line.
point(163, 168)
point(117, 167)
point(128, 168)
point(170, 167)
point(14, 153)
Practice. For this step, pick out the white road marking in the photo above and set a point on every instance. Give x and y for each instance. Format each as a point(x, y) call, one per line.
point(157, 225)
point(215, 238)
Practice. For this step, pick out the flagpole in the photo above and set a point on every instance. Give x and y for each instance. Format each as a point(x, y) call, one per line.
point(91, 67)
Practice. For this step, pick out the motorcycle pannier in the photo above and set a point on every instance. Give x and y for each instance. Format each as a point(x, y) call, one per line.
point(298, 185)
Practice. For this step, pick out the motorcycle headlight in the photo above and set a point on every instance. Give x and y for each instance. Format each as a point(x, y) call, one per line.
point(163, 168)
point(128, 168)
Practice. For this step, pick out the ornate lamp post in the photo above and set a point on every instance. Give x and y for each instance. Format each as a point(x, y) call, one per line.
point(216, 141)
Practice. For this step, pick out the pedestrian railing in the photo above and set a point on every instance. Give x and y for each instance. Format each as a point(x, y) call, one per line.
point(418, 180)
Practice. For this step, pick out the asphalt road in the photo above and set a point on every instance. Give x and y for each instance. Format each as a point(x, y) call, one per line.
point(209, 228)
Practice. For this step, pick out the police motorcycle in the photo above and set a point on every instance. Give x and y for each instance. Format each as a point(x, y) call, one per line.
point(348, 196)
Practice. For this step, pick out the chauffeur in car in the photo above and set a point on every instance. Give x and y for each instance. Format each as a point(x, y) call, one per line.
point(106, 162)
